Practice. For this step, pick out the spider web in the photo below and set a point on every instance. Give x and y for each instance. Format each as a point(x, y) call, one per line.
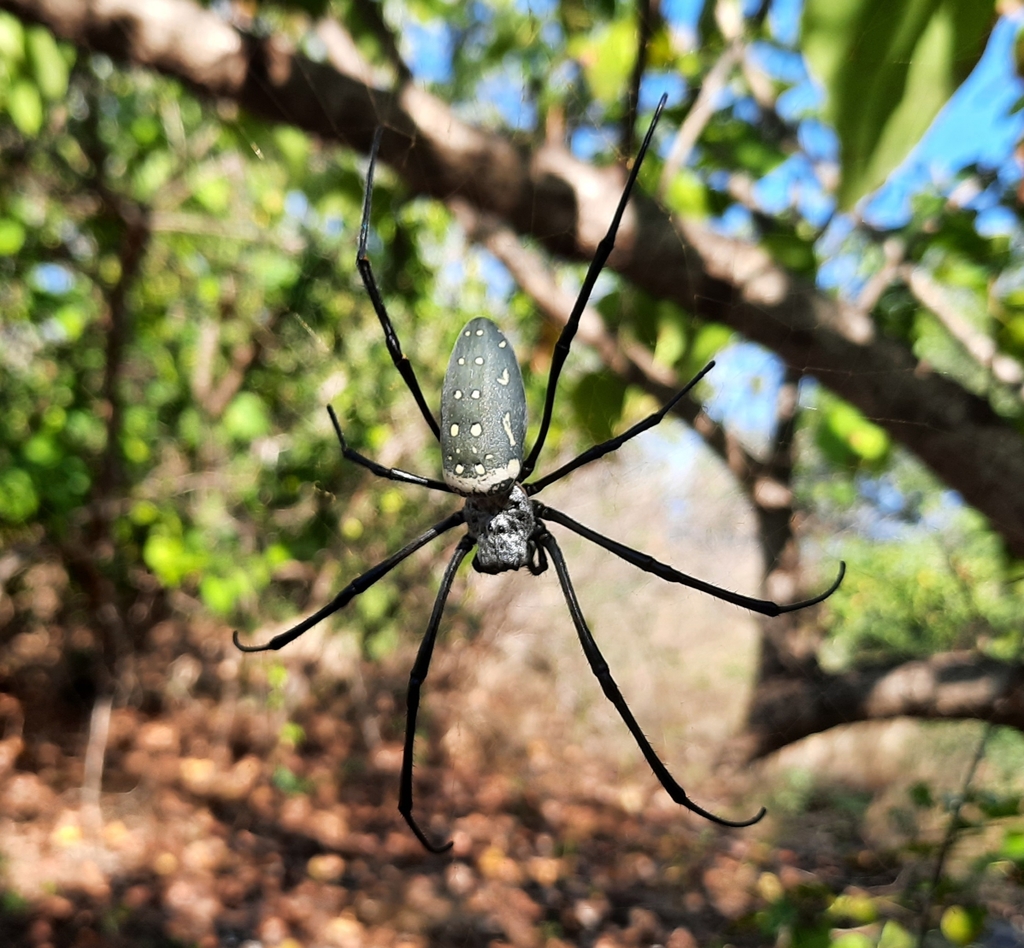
point(470, 276)
point(750, 377)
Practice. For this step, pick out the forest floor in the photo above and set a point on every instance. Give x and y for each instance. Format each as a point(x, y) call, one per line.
point(251, 801)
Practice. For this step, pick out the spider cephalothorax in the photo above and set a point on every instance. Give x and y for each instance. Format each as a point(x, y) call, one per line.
point(483, 424)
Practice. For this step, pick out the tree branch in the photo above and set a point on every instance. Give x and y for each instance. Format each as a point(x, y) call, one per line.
point(949, 686)
point(566, 204)
point(630, 361)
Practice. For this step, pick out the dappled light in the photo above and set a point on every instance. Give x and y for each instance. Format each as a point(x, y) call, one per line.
point(739, 662)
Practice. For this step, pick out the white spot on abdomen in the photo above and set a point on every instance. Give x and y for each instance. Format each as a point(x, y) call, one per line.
point(475, 431)
point(506, 423)
point(503, 378)
point(454, 430)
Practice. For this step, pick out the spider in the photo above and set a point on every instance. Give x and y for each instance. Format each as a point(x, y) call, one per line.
point(481, 435)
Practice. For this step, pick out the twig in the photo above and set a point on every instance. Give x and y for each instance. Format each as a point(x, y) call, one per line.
point(952, 829)
point(700, 114)
point(632, 362)
point(646, 15)
point(371, 14)
point(894, 251)
point(95, 753)
point(979, 345)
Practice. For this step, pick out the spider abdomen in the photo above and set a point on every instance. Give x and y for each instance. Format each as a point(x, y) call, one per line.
point(483, 412)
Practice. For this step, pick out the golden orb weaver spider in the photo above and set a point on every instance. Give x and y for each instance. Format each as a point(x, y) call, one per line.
point(483, 459)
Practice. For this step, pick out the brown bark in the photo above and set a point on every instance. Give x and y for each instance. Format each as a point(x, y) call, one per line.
point(566, 204)
point(794, 703)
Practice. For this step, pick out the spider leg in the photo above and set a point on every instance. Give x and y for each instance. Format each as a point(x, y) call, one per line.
point(416, 679)
point(366, 273)
point(604, 248)
point(358, 585)
point(613, 444)
point(391, 473)
point(600, 668)
point(650, 565)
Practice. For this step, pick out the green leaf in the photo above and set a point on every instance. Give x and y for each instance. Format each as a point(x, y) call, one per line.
point(961, 925)
point(214, 194)
point(688, 195)
point(887, 69)
point(49, 67)
point(852, 940)
point(374, 604)
point(894, 935)
point(383, 643)
point(708, 341)
point(169, 559)
point(12, 236)
point(153, 173)
point(607, 57)
point(792, 252)
point(246, 417)
point(219, 595)
point(848, 438)
point(145, 130)
point(43, 451)
point(294, 146)
point(72, 319)
point(25, 107)
point(18, 497)
point(857, 908)
point(597, 401)
point(1013, 847)
point(12, 38)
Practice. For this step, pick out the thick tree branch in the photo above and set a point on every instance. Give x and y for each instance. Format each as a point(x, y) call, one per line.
point(632, 362)
point(950, 686)
point(566, 204)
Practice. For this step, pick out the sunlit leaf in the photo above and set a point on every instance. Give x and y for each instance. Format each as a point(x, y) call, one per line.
point(887, 70)
point(49, 67)
point(12, 236)
point(961, 925)
point(246, 417)
point(18, 497)
point(607, 57)
point(219, 595)
point(12, 38)
point(25, 107)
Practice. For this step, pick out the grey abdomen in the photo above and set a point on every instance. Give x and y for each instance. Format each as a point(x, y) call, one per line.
point(483, 412)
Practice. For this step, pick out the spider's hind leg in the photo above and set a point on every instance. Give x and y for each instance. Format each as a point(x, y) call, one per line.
point(358, 585)
point(418, 675)
point(600, 668)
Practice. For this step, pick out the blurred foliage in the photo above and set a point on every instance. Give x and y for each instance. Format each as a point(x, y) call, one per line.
point(180, 301)
point(244, 320)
